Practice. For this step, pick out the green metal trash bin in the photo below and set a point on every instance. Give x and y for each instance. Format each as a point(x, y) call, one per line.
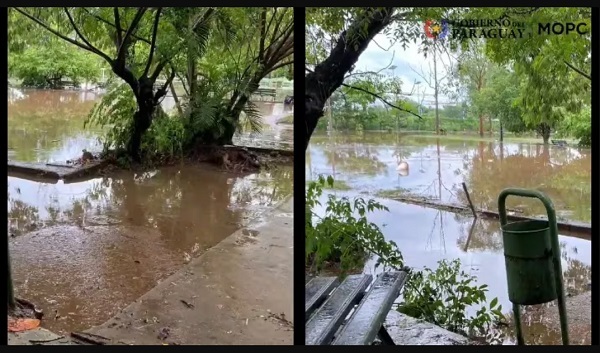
point(529, 268)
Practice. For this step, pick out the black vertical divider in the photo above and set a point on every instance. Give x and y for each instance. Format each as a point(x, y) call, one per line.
point(595, 175)
point(4, 108)
point(299, 174)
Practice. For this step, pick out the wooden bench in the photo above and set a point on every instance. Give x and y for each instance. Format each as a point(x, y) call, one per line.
point(560, 143)
point(328, 303)
point(268, 92)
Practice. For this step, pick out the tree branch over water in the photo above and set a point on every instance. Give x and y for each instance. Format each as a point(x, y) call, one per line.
point(589, 77)
point(383, 100)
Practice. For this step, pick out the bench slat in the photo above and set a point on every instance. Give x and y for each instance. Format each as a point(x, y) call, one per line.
point(365, 323)
point(321, 327)
point(316, 291)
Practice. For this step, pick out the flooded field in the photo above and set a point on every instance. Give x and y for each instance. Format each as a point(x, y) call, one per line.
point(47, 126)
point(84, 250)
point(368, 167)
point(437, 167)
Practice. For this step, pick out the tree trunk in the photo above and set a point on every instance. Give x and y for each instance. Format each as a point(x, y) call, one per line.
point(329, 75)
point(192, 72)
point(546, 138)
point(227, 137)
point(176, 99)
point(481, 125)
point(544, 131)
point(142, 119)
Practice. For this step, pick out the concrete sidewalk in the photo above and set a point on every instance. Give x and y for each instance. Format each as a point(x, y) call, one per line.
point(238, 292)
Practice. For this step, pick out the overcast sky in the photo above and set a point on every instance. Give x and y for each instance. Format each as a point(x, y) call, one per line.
point(376, 57)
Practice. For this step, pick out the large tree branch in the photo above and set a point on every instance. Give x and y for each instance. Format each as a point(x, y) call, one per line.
point(122, 50)
point(153, 42)
point(275, 47)
point(82, 37)
point(117, 26)
point(589, 77)
point(279, 66)
point(329, 75)
point(281, 53)
point(113, 25)
point(55, 32)
point(161, 92)
point(161, 65)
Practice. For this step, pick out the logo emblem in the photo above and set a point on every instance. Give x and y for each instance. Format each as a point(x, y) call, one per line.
point(435, 30)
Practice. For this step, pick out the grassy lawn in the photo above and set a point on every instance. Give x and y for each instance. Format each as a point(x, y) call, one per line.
point(287, 120)
point(339, 185)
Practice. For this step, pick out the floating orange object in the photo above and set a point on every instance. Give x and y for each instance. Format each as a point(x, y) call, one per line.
point(18, 325)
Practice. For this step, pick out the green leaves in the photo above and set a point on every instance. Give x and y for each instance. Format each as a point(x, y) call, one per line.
point(46, 66)
point(342, 236)
point(444, 296)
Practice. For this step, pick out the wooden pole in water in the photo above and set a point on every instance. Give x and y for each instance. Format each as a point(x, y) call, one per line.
point(469, 199)
point(471, 230)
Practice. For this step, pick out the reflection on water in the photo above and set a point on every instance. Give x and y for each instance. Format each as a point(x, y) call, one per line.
point(89, 248)
point(83, 250)
point(369, 163)
point(47, 126)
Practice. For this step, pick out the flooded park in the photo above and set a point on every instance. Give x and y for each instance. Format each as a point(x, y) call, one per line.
point(367, 165)
point(83, 250)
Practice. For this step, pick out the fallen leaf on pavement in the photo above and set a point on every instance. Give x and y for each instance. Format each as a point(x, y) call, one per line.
point(18, 325)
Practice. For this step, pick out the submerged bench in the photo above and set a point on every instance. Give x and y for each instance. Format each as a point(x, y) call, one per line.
point(560, 143)
point(269, 92)
point(328, 303)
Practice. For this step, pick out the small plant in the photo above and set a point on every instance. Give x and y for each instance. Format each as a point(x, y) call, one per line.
point(443, 297)
point(343, 235)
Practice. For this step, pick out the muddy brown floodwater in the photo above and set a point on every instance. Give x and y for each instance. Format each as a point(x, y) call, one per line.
point(367, 166)
point(84, 250)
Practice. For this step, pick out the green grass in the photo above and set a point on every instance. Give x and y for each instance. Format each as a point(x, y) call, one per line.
point(340, 185)
point(287, 120)
point(391, 193)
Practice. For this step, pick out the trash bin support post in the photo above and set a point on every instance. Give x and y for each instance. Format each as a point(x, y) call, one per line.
point(556, 259)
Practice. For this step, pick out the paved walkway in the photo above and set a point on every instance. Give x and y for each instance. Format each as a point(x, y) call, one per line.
point(238, 292)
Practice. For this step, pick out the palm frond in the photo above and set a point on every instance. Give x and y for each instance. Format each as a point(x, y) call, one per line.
point(252, 116)
point(226, 26)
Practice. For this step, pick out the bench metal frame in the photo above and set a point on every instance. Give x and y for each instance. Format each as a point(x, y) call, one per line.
point(328, 303)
